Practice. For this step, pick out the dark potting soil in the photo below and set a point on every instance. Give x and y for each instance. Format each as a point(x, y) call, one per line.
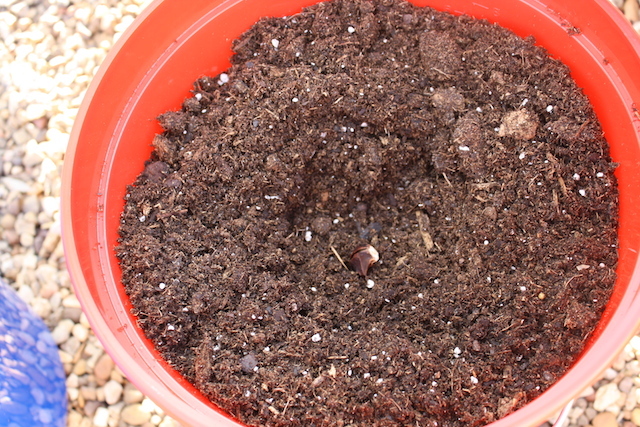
point(463, 154)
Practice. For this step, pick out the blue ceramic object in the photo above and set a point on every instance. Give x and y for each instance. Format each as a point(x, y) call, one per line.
point(32, 380)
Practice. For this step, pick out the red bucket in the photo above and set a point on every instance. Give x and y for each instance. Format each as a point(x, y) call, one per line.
point(151, 70)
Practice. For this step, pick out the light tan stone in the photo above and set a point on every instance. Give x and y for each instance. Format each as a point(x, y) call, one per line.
point(635, 416)
point(605, 419)
point(103, 368)
point(606, 396)
point(135, 414)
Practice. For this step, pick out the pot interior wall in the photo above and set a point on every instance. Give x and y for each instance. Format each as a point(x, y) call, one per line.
point(151, 70)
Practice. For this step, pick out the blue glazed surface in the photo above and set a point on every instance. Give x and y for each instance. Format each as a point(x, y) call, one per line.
point(32, 380)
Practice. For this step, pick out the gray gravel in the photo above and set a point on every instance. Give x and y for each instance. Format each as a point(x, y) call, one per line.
point(49, 54)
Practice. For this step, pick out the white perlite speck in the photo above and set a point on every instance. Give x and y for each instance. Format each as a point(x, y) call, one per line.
point(316, 338)
point(275, 43)
point(370, 283)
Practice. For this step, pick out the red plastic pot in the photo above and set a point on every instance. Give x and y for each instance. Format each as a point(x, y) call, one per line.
point(151, 70)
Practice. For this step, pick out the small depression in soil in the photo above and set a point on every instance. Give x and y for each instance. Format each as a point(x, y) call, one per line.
point(463, 154)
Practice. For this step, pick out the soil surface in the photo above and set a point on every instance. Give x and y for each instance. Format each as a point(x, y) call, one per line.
point(463, 154)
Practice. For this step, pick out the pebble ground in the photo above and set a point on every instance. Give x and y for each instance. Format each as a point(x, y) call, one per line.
point(49, 52)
